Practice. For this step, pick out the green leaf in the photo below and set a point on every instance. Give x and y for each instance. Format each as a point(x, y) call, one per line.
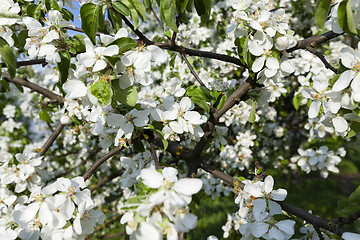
point(203, 9)
point(64, 65)
point(8, 56)
point(201, 103)
point(321, 13)
point(181, 5)
point(102, 91)
point(126, 96)
point(89, 13)
point(139, 6)
point(355, 196)
point(198, 91)
point(66, 14)
point(252, 113)
point(115, 19)
point(349, 209)
point(296, 101)
point(76, 43)
point(124, 44)
point(133, 12)
point(346, 18)
point(121, 8)
point(44, 115)
point(167, 11)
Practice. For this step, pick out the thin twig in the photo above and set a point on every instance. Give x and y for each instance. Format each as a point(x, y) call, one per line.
point(192, 70)
point(322, 58)
point(41, 61)
point(157, 18)
point(105, 180)
point(153, 153)
point(317, 229)
point(98, 162)
point(51, 139)
point(43, 91)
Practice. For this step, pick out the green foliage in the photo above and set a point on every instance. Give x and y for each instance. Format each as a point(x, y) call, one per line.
point(124, 44)
point(121, 8)
point(346, 18)
point(126, 96)
point(64, 65)
point(89, 13)
point(203, 9)
point(167, 11)
point(8, 56)
point(252, 112)
point(44, 115)
point(102, 91)
point(321, 13)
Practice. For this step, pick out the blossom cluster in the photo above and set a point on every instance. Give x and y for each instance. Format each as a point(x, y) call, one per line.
point(165, 210)
point(321, 159)
point(258, 208)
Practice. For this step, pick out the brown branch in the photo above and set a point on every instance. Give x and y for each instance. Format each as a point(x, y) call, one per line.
point(51, 139)
point(157, 18)
point(105, 180)
point(298, 212)
point(179, 49)
point(43, 91)
point(41, 61)
point(153, 153)
point(314, 41)
point(192, 70)
point(98, 162)
point(322, 58)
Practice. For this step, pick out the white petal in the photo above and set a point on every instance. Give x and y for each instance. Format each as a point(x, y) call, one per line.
point(258, 64)
point(279, 194)
point(268, 184)
point(340, 124)
point(343, 81)
point(151, 177)
point(188, 186)
point(272, 63)
point(314, 109)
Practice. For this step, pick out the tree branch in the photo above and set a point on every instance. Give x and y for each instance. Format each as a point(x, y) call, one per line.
point(298, 212)
point(192, 70)
point(98, 162)
point(314, 41)
point(51, 139)
point(43, 91)
point(41, 61)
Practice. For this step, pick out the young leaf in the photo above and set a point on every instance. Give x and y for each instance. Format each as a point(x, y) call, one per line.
point(346, 18)
point(321, 13)
point(252, 113)
point(102, 91)
point(140, 8)
point(126, 96)
point(8, 57)
point(167, 10)
point(64, 65)
point(121, 8)
point(44, 115)
point(89, 13)
point(124, 44)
